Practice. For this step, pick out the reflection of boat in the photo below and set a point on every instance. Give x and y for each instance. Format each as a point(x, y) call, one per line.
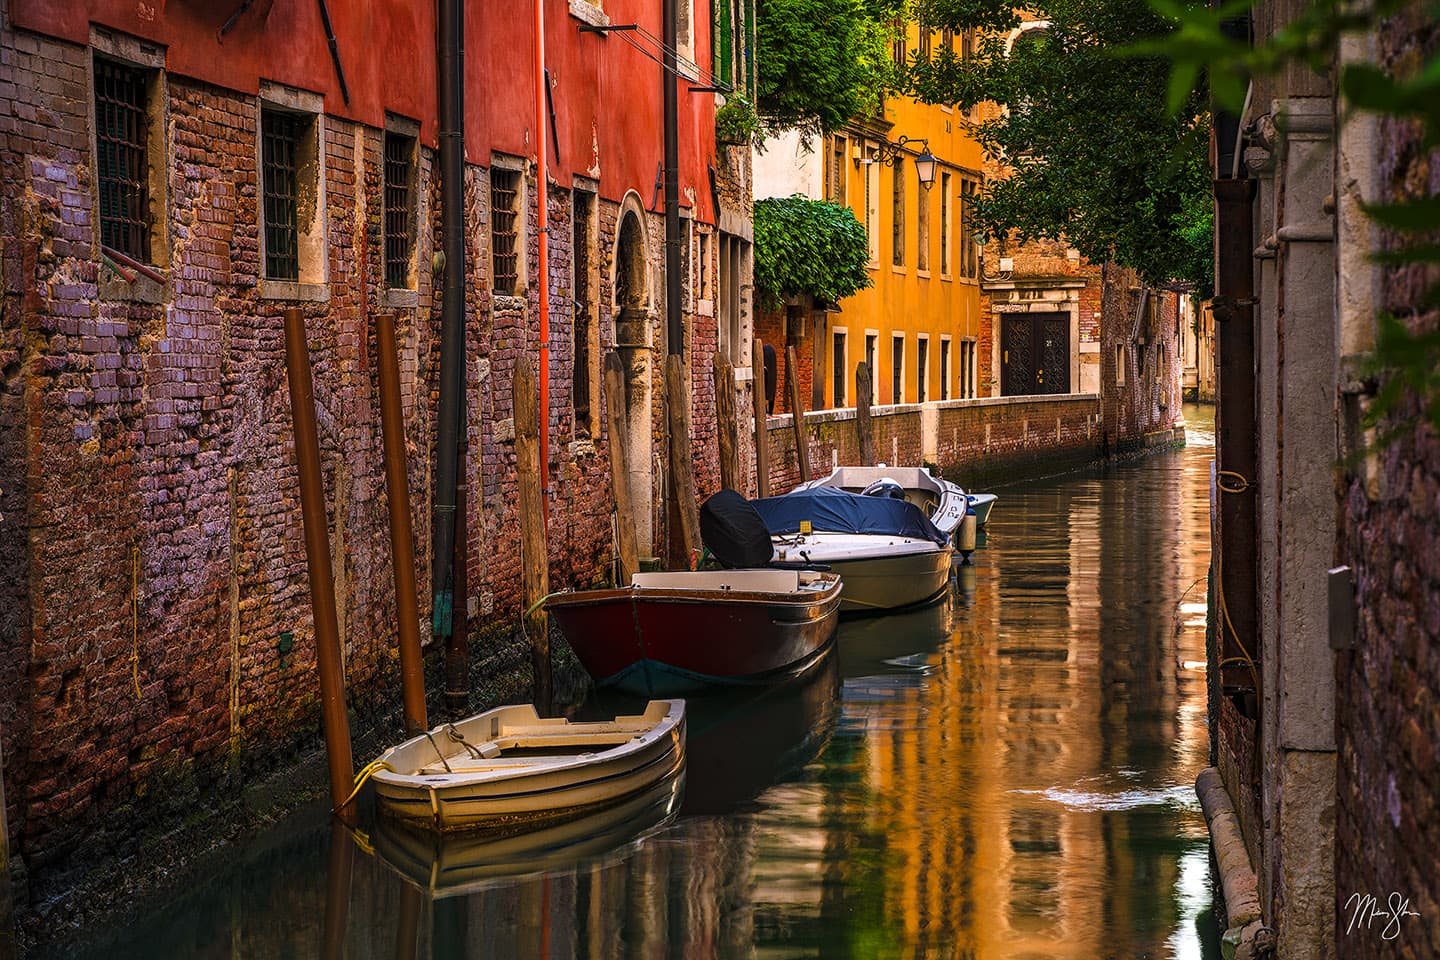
point(942, 501)
point(508, 769)
point(748, 744)
point(886, 551)
point(671, 633)
point(875, 645)
point(980, 505)
point(450, 864)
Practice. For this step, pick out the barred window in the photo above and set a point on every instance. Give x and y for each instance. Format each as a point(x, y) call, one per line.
point(504, 229)
point(280, 146)
point(121, 96)
point(897, 44)
point(944, 224)
point(399, 209)
point(924, 48)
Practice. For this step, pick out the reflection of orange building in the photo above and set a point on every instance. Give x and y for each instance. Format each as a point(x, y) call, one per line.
point(918, 325)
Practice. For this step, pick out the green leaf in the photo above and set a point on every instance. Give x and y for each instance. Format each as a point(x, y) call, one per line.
point(1408, 216)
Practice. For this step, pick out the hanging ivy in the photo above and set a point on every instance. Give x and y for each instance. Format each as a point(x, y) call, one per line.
point(808, 247)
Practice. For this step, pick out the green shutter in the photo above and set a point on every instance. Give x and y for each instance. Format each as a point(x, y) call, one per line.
point(724, 64)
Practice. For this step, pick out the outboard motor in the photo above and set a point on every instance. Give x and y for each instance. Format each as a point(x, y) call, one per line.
point(884, 487)
point(734, 532)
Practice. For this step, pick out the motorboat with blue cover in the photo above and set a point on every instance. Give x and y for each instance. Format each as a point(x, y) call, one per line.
point(943, 502)
point(888, 553)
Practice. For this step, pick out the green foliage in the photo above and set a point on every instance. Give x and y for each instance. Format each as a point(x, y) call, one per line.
point(1405, 361)
point(821, 62)
point(812, 247)
point(736, 120)
point(1098, 157)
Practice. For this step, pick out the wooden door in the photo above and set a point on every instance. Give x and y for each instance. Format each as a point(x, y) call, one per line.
point(1035, 354)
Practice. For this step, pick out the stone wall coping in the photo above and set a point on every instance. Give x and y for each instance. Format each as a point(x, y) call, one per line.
point(778, 420)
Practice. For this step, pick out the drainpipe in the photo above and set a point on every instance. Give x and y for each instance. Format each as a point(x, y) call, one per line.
point(675, 331)
point(542, 184)
point(452, 329)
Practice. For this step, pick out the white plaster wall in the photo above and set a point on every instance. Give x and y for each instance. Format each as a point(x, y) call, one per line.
point(786, 167)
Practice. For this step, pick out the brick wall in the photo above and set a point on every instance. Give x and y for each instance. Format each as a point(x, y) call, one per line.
point(1387, 831)
point(145, 437)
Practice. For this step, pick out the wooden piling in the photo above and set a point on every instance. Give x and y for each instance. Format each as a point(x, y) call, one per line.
point(534, 557)
point(682, 476)
point(317, 558)
point(863, 391)
point(726, 429)
point(797, 412)
point(620, 468)
point(402, 543)
point(762, 437)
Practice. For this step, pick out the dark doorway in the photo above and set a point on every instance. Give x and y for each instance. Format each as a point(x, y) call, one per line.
point(1035, 354)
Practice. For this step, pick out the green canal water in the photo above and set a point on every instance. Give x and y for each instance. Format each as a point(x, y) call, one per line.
point(1005, 774)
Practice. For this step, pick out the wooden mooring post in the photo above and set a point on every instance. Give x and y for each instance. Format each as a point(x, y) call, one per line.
point(762, 438)
point(534, 557)
point(726, 429)
point(402, 544)
point(615, 416)
point(863, 392)
point(328, 662)
point(797, 413)
point(682, 476)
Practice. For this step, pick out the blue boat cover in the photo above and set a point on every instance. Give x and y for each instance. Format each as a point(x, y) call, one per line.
point(838, 511)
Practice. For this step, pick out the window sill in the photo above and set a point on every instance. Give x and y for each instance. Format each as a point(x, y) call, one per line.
point(922, 274)
point(142, 290)
point(290, 290)
point(400, 298)
point(588, 12)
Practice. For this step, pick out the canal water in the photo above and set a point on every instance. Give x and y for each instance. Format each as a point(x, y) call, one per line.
point(1005, 774)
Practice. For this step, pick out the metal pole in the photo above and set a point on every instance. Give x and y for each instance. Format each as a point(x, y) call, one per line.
point(317, 560)
point(402, 544)
point(542, 181)
point(452, 314)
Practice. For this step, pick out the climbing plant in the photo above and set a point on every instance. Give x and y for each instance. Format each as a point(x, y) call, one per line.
point(822, 62)
point(1098, 155)
point(808, 247)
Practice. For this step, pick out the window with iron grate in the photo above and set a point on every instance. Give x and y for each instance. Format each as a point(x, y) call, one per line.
point(280, 133)
point(121, 98)
point(897, 220)
point(504, 229)
point(399, 210)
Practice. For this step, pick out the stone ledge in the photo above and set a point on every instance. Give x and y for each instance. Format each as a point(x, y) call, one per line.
point(290, 290)
point(1237, 878)
point(401, 298)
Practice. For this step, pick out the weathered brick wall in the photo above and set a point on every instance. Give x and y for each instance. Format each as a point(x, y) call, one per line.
point(972, 442)
point(1146, 403)
point(150, 442)
point(1387, 830)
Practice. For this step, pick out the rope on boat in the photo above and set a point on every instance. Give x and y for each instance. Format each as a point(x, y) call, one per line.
point(438, 752)
point(360, 779)
point(459, 738)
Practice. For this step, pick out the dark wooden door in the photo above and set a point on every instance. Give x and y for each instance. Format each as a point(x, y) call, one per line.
point(1034, 354)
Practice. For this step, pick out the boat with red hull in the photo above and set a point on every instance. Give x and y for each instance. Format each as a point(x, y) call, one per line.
point(686, 631)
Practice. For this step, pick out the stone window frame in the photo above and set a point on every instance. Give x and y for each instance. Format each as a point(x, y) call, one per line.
point(312, 248)
point(840, 377)
point(872, 206)
point(408, 295)
point(872, 359)
point(147, 56)
point(897, 376)
point(1122, 364)
point(922, 230)
point(947, 365)
point(589, 11)
point(947, 223)
point(922, 367)
point(704, 283)
point(970, 369)
point(898, 190)
point(519, 167)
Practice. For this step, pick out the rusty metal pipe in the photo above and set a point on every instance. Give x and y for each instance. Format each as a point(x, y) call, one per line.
point(317, 559)
point(402, 543)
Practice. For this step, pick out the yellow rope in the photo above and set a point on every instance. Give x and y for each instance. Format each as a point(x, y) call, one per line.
point(1242, 482)
point(135, 617)
point(362, 840)
point(360, 779)
point(1225, 614)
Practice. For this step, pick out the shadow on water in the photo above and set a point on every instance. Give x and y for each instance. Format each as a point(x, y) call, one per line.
point(1006, 773)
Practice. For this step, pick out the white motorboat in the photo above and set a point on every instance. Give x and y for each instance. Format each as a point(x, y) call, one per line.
point(888, 553)
point(980, 505)
point(508, 769)
point(943, 502)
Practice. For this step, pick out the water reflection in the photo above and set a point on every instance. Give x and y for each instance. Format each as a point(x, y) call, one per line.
point(1005, 774)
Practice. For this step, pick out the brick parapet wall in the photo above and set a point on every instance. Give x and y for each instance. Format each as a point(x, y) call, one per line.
point(1387, 830)
point(151, 442)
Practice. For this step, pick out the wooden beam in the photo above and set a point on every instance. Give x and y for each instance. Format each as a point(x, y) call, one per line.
point(534, 557)
point(863, 392)
point(615, 416)
point(762, 437)
point(682, 476)
point(726, 429)
point(797, 412)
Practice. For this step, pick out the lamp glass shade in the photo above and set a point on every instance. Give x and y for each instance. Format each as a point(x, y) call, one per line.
point(925, 168)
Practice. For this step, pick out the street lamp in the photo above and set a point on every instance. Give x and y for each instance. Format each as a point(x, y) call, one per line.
point(893, 154)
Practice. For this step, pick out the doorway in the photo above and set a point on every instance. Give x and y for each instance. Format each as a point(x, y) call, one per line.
point(632, 341)
point(1034, 354)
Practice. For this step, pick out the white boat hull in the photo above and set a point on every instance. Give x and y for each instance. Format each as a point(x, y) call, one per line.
point(877, 572)
point(520, 771)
